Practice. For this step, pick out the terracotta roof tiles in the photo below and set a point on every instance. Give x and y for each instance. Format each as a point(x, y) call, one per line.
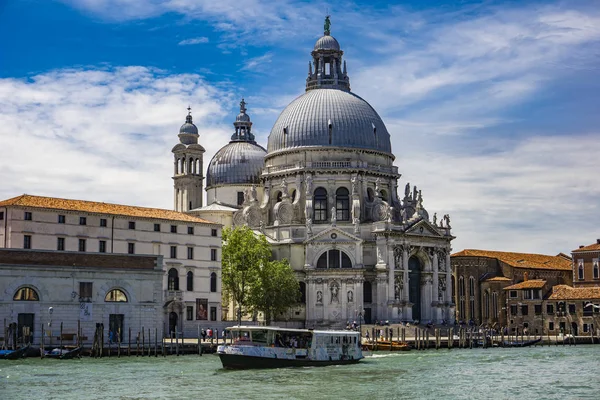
point(591, 247)
point(55, 203)
point(530, 284)
point(498, 279)
point(521, 260)
point(564, 292)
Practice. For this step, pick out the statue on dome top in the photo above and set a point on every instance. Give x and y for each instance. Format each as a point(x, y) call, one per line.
point(327, 25)
point(242, 106)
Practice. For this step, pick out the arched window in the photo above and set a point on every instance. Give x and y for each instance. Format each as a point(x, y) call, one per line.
point(472, 298)
point(367, 292)
point(495, 305)
point(190, 281)
point(213, 282)
point(279, 196)
point(383, 194)
point(302, 292)
point(26, 294)
point(342, 204)
point(334, 259)
point(370, 195)
point(173, 280)
point(191, 166)
point(471, 286)
point(581, 274)
point(486, 305)
point(320, 205)
point(461, 294)
point(596, 272)
point(116, 295)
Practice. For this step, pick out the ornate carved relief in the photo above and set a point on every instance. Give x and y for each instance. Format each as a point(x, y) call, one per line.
point(398, 286)
point(441, 287)
point(334, 288)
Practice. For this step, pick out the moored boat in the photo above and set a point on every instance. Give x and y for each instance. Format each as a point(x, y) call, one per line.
point(386, 346)
point(526, 343)
point(271, 347)
point(64, 354)
point(14, 354)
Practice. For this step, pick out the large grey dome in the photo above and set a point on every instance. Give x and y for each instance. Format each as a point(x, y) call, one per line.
point(327, 42)
point(329, 117)
point(236, 163)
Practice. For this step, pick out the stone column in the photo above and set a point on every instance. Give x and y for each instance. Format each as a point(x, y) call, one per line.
point(405, 296)
point(344, 300)
point(435, 267)
point(449, 298)
point(391, 271)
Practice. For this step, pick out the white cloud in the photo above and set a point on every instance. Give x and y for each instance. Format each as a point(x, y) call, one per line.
point(192, 41)
point(256, 63)
point(536, 194)
point(104, 135)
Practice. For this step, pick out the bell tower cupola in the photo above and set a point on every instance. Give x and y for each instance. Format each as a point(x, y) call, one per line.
point(327, 70)
point(188, 166)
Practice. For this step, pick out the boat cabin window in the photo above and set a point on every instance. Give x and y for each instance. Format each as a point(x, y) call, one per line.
point(259, 337)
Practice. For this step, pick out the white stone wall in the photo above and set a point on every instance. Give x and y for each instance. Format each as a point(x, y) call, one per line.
point(45, 230)
point(55, 287)
point(228, 194)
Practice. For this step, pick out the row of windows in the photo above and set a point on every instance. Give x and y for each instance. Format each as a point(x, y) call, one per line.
point(103, 223)
point(581, 271)
point(189, 311)
point(321, 207)
point(113, 295)
point(528, 294)
point(82, 247)
point(173, 281)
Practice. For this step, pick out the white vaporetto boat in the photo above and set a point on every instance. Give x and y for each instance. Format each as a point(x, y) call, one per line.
point(271, 347)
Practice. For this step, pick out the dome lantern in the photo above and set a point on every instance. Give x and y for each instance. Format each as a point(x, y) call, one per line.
point(327, 62)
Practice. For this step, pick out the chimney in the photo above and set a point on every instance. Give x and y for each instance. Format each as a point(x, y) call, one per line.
point(581, 246)
point(597, 241)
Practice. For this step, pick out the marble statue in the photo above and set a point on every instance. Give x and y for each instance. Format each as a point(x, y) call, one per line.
point(333, 216)
point(334, 288)
point(308, 184)
point(319, 297)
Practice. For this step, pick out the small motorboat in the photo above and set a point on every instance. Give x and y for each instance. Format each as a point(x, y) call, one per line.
point(14, 354)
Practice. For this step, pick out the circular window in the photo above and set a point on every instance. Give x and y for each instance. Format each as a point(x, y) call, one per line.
point(334, 235)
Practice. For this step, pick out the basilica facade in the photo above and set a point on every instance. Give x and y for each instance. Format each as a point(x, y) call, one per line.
point(325, 194)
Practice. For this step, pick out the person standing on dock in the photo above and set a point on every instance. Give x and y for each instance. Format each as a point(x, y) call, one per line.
point(203, 335)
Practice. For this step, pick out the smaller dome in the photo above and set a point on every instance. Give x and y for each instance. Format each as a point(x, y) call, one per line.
point(188, 128)
point(238, 163)
point(327, 42)
point(242, 117)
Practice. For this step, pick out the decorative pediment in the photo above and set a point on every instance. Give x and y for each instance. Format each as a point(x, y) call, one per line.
point(333, 235)
point(423, 228)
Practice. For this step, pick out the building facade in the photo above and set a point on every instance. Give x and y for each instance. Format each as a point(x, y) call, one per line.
point(485, 282)
point(586, 268)
point(190, 246)
point(40, 290)
point(325, 195)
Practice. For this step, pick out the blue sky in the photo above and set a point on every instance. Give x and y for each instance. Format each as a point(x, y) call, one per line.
point(492, 106)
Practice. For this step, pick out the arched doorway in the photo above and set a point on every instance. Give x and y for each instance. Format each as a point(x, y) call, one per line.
point(414, 286)
point(173, 317)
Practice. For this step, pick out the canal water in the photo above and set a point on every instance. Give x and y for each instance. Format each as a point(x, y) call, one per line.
point(531, 373)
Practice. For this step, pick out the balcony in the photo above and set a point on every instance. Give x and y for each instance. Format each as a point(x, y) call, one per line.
point(173, 295)
point(320, 165)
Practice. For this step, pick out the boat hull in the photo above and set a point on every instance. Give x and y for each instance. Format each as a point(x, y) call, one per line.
point(236, 361)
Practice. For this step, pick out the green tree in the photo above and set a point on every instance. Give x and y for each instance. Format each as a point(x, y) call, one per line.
point(275, 290)
point(251, 279)
point(243, 254)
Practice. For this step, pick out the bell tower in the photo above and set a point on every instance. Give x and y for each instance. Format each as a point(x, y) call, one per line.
point(188, 167)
